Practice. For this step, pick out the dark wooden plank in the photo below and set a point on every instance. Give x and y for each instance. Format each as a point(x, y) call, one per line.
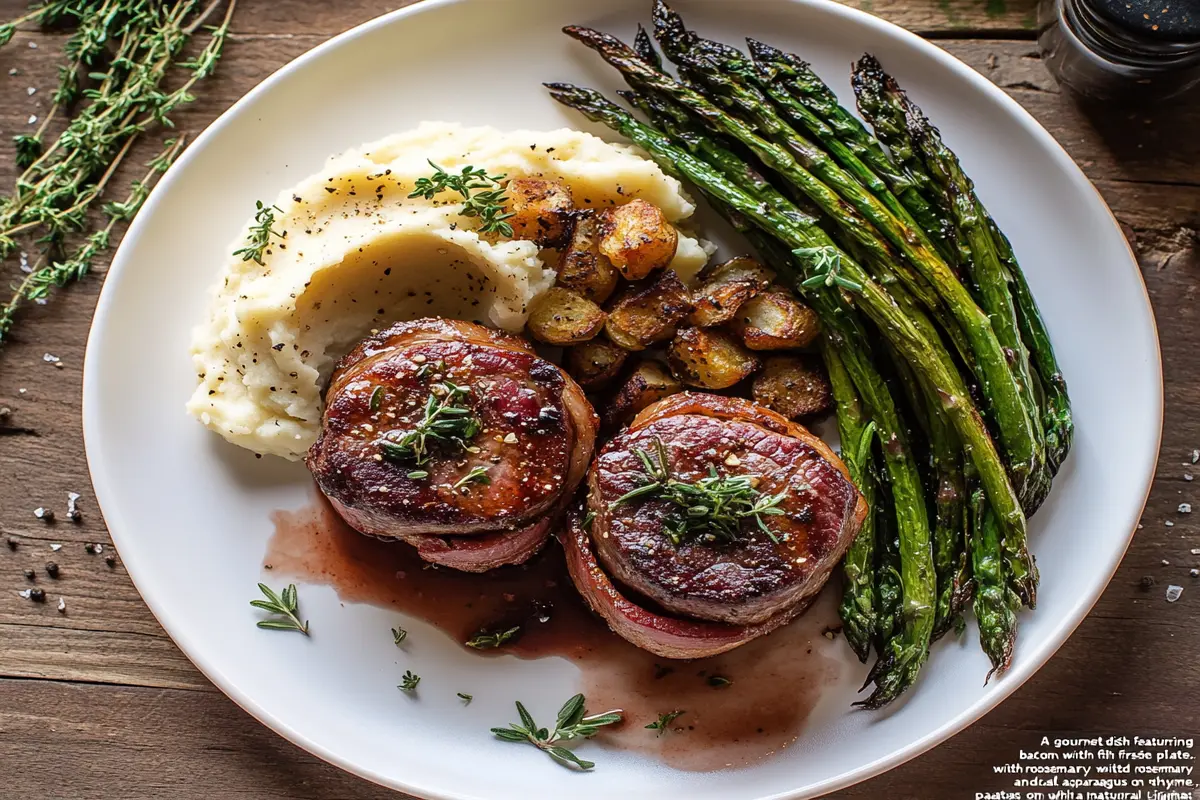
point(929, 17)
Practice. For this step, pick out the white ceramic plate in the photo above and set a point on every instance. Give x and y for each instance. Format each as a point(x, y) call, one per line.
point(189, 513)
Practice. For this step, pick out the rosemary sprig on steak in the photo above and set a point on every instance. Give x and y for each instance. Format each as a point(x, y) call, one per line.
point(446, 419)
point(710, 510)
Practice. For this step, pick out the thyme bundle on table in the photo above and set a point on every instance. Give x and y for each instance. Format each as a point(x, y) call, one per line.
point(123, 58)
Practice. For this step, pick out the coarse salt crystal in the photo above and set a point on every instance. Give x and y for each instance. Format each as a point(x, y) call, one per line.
point(1195, 573)
point(33, 45)
point(510, 438)
point(26, 593)
point(1173, 593)
point(732, 460)
point(56, 547)
point(1195, 551)
point(1169, 524)
point(1185, 508)
point(62, 606)
point(31, 91)
point(14, 71)
point(1196, 456)
point(33, 119)
point(50, 358)
point(1166, 563)
point(1187, 476)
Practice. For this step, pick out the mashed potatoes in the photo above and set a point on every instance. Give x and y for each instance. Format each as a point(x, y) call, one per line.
point(359, 254)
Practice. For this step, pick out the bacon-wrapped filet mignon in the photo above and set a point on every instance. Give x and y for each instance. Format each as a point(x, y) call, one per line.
point(709, 521)
point(455, 438)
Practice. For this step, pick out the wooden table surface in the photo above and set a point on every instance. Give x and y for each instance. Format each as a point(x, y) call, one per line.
point(98, 702)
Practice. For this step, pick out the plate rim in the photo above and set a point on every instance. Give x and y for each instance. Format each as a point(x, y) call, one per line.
point(1030, 663)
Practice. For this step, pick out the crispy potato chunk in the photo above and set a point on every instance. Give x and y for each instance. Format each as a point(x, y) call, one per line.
point(725, 287)
point(776, 321)
point(595, 363)
point(562, 317)
point(648, 312)
point(541, 211)
point(647, 384)
point(709, 358)
point(795, 386)
point(637, 238)
point(583, 268)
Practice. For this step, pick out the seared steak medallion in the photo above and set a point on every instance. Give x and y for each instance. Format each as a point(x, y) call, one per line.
point(455, 438)
point(714, 592)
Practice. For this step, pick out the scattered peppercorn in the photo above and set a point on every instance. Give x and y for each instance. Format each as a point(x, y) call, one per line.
point(90, 549)
point(30, 574)
point(1147, 583)
point(52, 569)
point(110, 560)
point(38, 596)
point(12, 543)
point(44, 514)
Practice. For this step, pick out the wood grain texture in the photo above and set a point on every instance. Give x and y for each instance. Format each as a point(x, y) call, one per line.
point(97, 702)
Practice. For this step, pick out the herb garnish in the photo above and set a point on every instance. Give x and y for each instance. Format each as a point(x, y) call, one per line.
point(663, 722)
point(119, 80)
point(409, 681)
point(260, 235)
point(572, 723)
point(446, 419)
point(418, 474)
point(477, 474)
point(719, 681)
point(377, 398)
point(466, 698)
point(711, 509)
point(399, 635)
point(284, 605)
point(825, 265)
point(487, 205)
point(488, 641)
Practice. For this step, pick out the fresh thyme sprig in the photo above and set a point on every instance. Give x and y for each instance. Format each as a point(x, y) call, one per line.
point(119, 55)
point(663, 723)
point(41, 280)
point(409, 681)
point(710, 510)
point(478, 474)
point(284, 606)
point(260, 235)
point(573, 722)
point(399, 635)
point(825, 268)
point(466, 698)
point(488, 641)
point(487, 205)
point(446, 419)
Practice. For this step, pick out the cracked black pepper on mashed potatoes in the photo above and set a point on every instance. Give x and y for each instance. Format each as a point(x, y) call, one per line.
point(355, 253)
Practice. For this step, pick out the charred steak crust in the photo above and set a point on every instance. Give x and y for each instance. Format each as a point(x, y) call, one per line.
point(535, 427)
point(753, 579)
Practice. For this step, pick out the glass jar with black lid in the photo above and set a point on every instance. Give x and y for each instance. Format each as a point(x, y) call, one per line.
point(1129, 50)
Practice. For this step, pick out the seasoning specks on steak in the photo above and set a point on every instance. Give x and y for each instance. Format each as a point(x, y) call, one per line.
point(756, 581)
point(527, 450)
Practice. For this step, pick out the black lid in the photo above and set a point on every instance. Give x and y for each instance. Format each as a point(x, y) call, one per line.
point(1159, 20)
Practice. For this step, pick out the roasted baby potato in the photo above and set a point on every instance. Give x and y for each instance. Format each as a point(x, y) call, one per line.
point(648, 312)
point(582, 268)
point(709, 358)
point(647, 384)
point(541, 211)
point(562, 317)
point(795, 386)
point(725, 287)
point(637, 238)
point(595, 363)
point(776, 321)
